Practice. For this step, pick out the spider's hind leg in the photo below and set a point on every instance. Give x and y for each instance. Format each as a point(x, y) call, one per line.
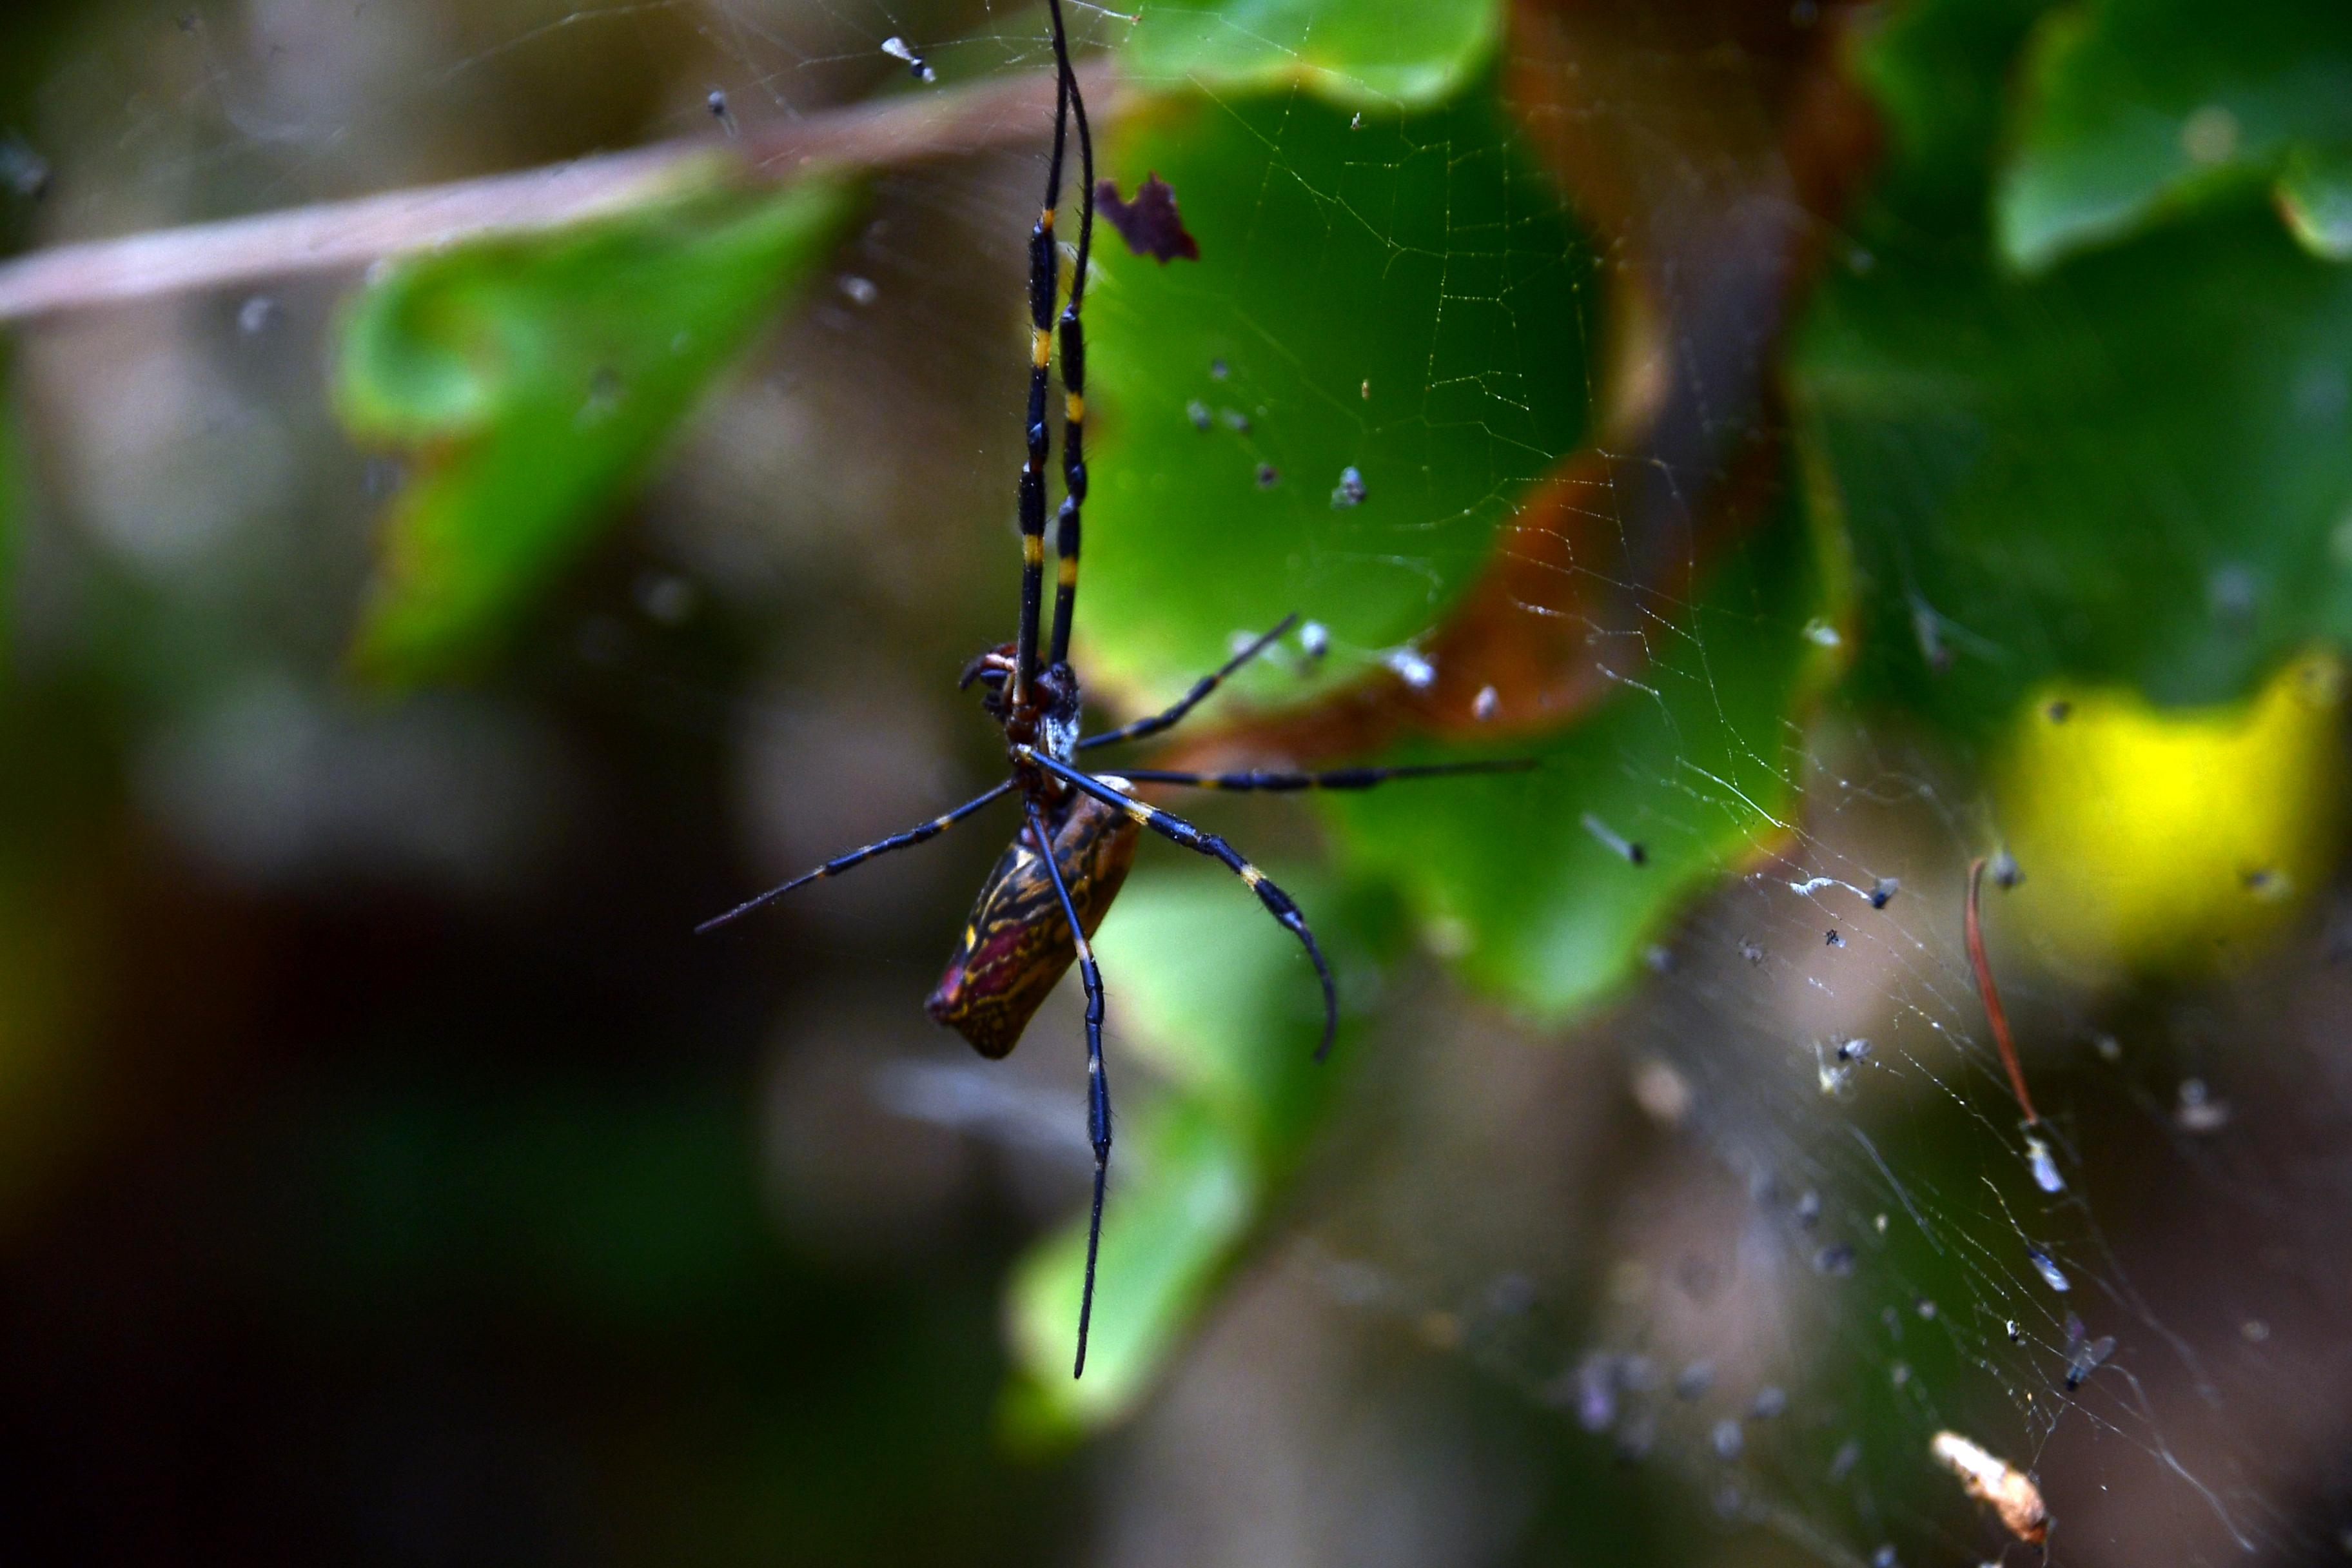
point(1098, 1086)
point(1277, 903)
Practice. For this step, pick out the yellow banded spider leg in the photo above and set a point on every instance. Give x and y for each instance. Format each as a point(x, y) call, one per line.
point(1016, 945)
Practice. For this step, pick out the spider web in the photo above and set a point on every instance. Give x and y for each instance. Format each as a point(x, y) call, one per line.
point(1758, 1234)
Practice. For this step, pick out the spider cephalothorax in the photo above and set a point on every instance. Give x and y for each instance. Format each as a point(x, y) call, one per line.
point(1038, 909)
point(1048, 712)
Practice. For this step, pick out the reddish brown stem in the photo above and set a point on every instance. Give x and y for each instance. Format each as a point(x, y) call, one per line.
point(1999, 1019)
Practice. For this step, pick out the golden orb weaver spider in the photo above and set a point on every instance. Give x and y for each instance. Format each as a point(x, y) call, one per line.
point(1049, 892)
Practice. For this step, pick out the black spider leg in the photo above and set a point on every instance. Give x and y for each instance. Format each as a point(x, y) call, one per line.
point(1137, 729)
point(840, 863)
point(1074, 368)
point(1045, 272)
point(1098, 1086)
point(1278, 902)
point(1334, 778)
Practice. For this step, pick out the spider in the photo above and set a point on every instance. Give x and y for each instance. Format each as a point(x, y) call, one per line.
point(1052, 887)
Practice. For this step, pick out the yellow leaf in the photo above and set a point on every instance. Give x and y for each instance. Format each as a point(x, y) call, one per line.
point(2168, 840)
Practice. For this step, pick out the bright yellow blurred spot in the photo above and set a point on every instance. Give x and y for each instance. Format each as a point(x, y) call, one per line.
point(2178, 838)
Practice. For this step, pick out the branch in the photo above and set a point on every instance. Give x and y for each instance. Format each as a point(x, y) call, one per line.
point(335, 236)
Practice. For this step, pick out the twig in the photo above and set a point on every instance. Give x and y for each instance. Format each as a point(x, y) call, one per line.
point(335, 236)
point(1999, 1019)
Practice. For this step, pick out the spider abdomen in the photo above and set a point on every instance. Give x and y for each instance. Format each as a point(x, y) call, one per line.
point(1016, 945)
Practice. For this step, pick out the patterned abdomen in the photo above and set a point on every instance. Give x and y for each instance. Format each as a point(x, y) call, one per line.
point(1016, 944)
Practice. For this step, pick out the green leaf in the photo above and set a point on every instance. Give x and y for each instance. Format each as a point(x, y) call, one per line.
point(2135, 466)
point(1695, 760)
point(2315, 191)
point(1410, 299)
point(2134, 110)
point(535, 381)
point(1222, 1001)
point(1360, 54)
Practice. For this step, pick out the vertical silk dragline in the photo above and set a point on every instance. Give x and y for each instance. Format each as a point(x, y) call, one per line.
point(1053, 886)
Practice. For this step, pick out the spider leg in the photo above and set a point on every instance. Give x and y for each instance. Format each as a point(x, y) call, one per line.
point(1139, 728)
point(1044, 274)
point(840, 863)
point(1336, 778)
point(1098, 1087)
point(1176, 829)
point(1073, 370)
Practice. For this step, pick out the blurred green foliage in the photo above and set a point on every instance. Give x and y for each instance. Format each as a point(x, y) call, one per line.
point(1364, 54)
point(1404, 295)
point(534, 381)
point(1693, 761)
point(2135, 463)
point(2135, 110)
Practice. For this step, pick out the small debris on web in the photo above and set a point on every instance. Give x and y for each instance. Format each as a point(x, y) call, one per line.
point(1883, 891)
point(1314, 640)
point(1485, 705)
point(1358, 123)
point(1752, 952)
point(900, 49)
point(2052, 1275)
point(1268, 476)
point(2006, 872)
point(2084, 1356)
point(1833, 938)
point(1411, 667)
point(2045, 1169)
point(1661, 1091)
point(2197, 1111)
point(2009, 1491)
point(717, 104)
point(2016, 1332)
point(1625, 850)
point(1832, 1072)
point(1350, 490)
point(1852, 1050)
point(1149, 224)
point(1926, 1309)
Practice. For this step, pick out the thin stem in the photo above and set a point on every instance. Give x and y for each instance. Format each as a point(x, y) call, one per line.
point(345, 235)
point(1999, 1019)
